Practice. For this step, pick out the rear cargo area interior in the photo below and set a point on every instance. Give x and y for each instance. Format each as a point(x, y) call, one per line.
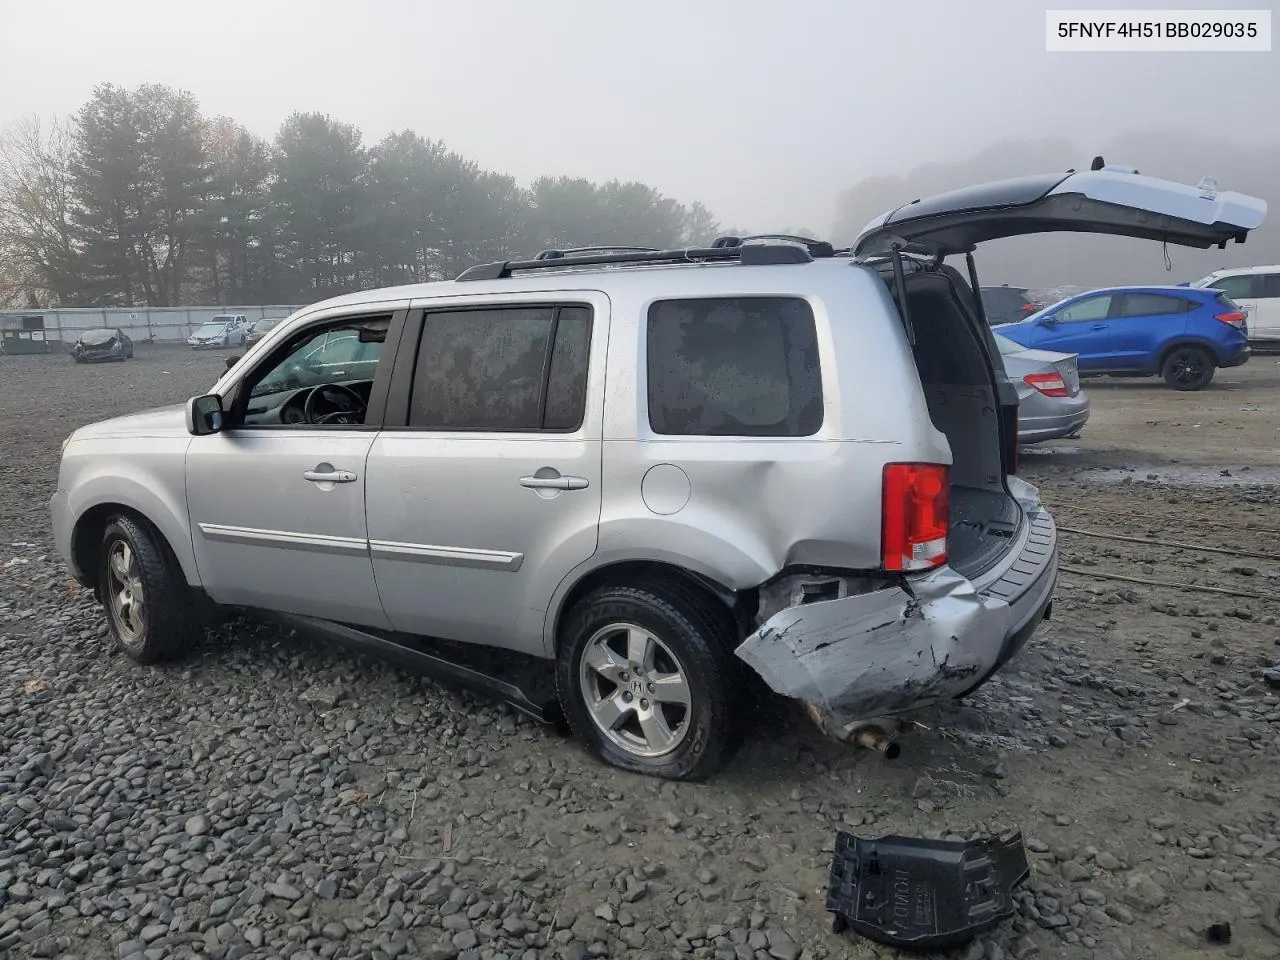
point(952, 364)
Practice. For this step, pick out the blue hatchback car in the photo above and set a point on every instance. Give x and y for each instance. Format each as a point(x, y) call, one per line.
point(1179, 333)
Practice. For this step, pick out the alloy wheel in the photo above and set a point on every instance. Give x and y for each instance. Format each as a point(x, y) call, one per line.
point(124, 591)
point(635, 689)
point(1188, 366)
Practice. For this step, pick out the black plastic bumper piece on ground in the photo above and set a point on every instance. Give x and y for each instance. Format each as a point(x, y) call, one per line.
point(917, 894)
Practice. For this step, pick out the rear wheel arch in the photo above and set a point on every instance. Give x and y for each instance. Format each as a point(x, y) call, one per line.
point(734, 607)
point(1179, 343)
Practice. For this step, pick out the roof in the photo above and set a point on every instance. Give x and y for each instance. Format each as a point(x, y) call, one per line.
point(1235, 270)
point(1136, 288)
point(675, 280)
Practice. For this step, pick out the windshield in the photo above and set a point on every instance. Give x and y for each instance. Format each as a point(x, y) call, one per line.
point(209, 329)
point(262, 326)
point(94, 337)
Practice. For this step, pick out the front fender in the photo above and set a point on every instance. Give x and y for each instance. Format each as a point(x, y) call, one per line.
point(152, 485)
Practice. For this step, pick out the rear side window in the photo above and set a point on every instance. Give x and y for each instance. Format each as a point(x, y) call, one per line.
point(1151, 305)
point(1270, 285)
point(502, 369)
point(736, 366)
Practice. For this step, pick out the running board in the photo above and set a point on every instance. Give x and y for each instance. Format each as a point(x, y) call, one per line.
point(526, 698)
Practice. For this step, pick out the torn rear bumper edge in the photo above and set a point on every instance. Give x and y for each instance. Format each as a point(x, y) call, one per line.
point(937, 637)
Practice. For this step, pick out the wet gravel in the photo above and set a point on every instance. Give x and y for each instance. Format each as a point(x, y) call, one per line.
point(272, 796)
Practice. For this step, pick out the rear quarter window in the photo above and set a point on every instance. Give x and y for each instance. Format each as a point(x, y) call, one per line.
point(733, 366)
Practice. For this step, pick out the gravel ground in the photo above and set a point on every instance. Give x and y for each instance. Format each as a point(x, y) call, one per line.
point(272, 796)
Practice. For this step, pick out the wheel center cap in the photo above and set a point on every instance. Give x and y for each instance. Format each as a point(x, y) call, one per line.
point(635, 685)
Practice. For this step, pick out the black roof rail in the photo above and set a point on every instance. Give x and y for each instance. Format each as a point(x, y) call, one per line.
point(577, 251)
point(746, 254)
point(816, 248)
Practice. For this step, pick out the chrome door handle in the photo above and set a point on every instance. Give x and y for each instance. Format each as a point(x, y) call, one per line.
point(555, 483)
point(335, 476)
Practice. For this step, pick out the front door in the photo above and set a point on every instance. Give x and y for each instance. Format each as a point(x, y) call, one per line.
point(1245, 290)
point(277, 497)
point(1266, 326)
point(1081, 327)
point(487, 495)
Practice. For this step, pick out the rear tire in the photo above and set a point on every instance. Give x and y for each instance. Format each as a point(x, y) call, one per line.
point(145, 596)
point(1188, 368)
point(646, 676)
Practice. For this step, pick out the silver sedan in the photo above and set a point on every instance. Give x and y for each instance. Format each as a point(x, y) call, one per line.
point(1051, 404)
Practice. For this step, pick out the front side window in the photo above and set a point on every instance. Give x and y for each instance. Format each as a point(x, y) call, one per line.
point(322, 376)
point(1270, 286)
point(502, 369)
point(1092, 308)
point(1245, 286)
point(734, 366)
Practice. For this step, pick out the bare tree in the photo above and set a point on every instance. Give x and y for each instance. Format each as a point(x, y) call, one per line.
point(37, 241)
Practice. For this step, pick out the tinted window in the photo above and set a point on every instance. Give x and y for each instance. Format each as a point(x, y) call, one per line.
point(743, 366)
point(1151, 304)
point(1093, 308)
point(1270, 285)
point(1246, 286)
point(567, 382)
point(517, 369)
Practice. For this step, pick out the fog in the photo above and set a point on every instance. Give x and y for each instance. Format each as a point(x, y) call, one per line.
point(816, 116)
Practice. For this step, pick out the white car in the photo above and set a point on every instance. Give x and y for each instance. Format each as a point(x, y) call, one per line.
point(226, 330)
point(1257, 291)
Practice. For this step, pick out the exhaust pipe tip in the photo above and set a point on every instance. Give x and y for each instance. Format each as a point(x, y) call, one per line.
point(875, 739)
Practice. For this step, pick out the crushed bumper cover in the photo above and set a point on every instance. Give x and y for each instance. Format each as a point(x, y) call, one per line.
point(934, 638)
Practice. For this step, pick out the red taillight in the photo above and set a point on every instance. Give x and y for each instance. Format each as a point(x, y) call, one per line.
point(1236, 317)
point(916, 516)
point(1028, 308)
point(1050, 384)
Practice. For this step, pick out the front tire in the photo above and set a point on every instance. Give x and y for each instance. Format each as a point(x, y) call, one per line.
point(144, 593)
point(645, 675)
point(1188, 368)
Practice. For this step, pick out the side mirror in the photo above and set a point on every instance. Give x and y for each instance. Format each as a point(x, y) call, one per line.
point(1048, 321)
point(231, 361)
point(204, 415)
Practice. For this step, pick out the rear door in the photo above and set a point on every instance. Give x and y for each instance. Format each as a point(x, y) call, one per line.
point(1141, 323)
point(1082, 327)
point(484, 488)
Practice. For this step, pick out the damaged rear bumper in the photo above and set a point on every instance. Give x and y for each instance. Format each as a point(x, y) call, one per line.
point(934, 637)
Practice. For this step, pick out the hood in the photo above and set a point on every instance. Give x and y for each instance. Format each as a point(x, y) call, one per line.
point(1107, 199)
point(157, 422)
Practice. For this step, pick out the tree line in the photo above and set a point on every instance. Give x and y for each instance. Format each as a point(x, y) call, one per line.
point(138, 199)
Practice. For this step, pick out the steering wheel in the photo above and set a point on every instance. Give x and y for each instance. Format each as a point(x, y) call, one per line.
point(351, 407)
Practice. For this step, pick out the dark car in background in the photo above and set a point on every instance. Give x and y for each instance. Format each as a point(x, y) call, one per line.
point(1179, 333)
point(1007, 304)
point(96, 346)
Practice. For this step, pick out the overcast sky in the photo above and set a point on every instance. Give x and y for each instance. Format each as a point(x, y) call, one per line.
point(761, 110)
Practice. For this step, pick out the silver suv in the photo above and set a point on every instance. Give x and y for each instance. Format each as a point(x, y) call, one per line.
point(620, 482)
